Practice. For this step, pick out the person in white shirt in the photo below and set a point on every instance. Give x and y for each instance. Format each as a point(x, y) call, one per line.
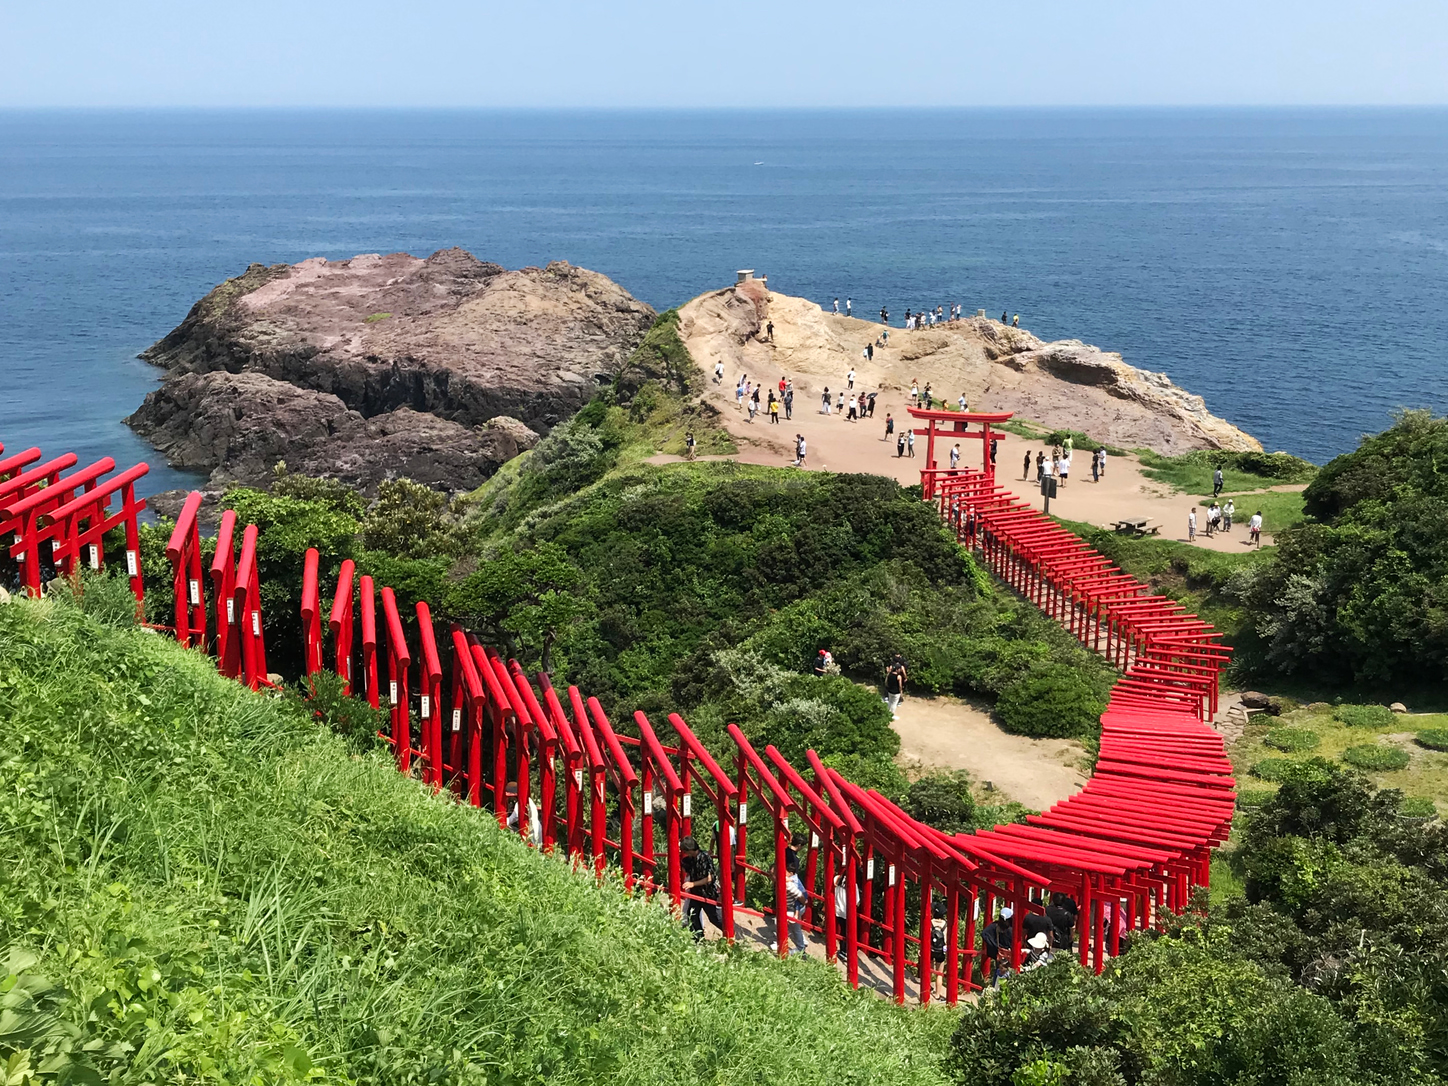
point(1192, 525)
point(955, 458)
point(535, 823)
point(718, 371)
point(1254, 529)
point(847, 307)
point(850, 379)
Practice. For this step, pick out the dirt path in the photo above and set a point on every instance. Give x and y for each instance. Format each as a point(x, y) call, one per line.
point(947, 733)
point(836, 444)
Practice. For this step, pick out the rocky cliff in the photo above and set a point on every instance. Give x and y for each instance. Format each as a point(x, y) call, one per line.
point(384, 365)
point(1062, 385)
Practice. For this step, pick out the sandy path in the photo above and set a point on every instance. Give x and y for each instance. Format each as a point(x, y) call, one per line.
point(947, 733)
point(837, 444)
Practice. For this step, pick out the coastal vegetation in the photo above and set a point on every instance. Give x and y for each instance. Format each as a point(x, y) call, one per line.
point(200, 884)
point(1327, 969)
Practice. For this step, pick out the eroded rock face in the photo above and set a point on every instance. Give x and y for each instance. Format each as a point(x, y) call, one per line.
point(238, 426)
point(1065, 384)
point(450, 338)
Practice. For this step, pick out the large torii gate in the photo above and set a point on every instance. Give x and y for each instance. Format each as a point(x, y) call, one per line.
point(959, 427)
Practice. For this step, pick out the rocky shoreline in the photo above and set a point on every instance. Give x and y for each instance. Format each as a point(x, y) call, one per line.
point(443, 369)
point(439, 369)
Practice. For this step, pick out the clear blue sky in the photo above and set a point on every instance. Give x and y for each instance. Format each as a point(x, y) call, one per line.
point(688, 54)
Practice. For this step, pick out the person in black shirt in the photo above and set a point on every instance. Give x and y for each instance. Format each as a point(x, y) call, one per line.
point(1061, 912)
point(697, 868)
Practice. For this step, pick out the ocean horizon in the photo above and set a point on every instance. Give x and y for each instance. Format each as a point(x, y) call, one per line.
point(1290, 265)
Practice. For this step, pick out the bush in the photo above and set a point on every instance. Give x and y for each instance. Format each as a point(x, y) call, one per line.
point(1292, 740)
point(1432, 738)
point(1375, 757)
point(944, 800)
point(1052, 701)
point(1417, 807)
point(1363, 716)
point(322, 694)
point(1272, 769)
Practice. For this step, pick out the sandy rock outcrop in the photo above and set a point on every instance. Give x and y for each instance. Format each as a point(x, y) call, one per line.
point(237, 426)
point(449, 337)
point(1061, 385)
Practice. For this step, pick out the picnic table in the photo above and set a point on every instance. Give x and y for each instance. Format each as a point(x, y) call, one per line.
point(1136, 526)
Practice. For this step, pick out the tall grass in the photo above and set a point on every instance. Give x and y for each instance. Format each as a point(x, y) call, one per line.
point(230, 895)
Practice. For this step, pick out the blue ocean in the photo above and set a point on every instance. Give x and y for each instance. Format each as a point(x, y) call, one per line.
point(1289, 266)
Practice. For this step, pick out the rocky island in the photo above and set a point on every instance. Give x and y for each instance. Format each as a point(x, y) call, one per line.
point(439, 369)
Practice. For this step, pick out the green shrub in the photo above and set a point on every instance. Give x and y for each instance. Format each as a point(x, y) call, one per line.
point(1052, 701)
point(105, 595)
point(1375, 757)
point(354, 718)
point(1272, 769)
point(944, 800)
point(1432, 738)
point(1363, 716)
point(1417, 807)
point(1292, 740)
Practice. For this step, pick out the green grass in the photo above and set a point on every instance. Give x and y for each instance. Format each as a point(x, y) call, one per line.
point(374, 318)
point(1425, 775)
point(229, 894)
point(1193, 472)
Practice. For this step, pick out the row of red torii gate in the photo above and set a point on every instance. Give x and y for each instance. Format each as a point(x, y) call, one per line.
point(621, 796)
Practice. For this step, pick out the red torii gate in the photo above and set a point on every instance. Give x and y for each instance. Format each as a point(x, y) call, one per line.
point(959, 427)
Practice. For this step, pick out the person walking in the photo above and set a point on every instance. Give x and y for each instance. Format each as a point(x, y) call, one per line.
point(789, 403)
point(718, 371)
point(773, 410)
point(961, 401)
point(753, 405)
point(1040, 466)
point(854, 414)
point(850, 379)
point(884, 315)
point(689, 445)
point(895, 677)
point(825, 399)
point(739, 395)
point(955, 457)
point(769, 331)
point(1026, 466)
point(910, 443)
point(1192, 525)
point(1095, 468)
point(889, 426)
point(1016, 321)
point(1228, 511)
point(914, 391)
point(1217, 482)
point(800, 448)
point(994, 444)
point(700, 886)
point(1065, 468)
point(1254, 530)
point(1101, 456)
point(869, 352)
point(796, 899)
point(840, 403)
point(1003, 317)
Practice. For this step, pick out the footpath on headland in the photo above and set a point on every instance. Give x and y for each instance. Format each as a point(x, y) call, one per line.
point(836, 444)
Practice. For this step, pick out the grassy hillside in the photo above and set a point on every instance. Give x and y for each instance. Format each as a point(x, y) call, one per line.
point(227, 894)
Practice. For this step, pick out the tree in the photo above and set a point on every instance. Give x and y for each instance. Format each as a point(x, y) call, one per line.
point(524, 599)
